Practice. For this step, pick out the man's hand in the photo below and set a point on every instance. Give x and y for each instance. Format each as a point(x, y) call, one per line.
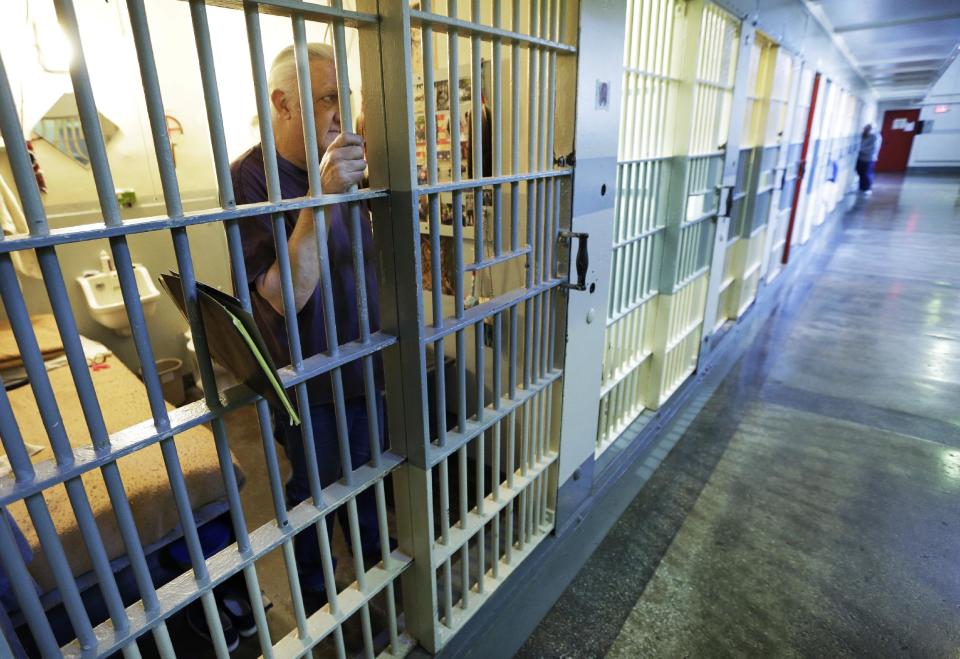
point(343, 164)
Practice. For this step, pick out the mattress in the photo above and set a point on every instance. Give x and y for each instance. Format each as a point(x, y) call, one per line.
point(124, 403)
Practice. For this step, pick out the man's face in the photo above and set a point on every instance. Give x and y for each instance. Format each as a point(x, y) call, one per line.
point(326, 103)
point(326, 113)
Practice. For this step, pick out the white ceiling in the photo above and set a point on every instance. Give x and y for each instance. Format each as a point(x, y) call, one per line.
point(900, 46)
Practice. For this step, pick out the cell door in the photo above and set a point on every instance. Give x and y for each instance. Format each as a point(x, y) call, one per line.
point(899, 127)
point(466, 109)
point(653, 63)
point(751, 196)
point(656, 239)
point(479, 116)
point(783, 106)
point(801, 135)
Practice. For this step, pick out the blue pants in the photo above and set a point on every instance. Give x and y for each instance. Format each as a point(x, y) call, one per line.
point(323, 418)
point(865, 172)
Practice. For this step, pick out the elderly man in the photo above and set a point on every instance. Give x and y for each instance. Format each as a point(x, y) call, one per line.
point(342, 165)
point(867, 158)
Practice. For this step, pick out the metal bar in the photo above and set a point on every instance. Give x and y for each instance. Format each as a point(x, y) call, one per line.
point(309, 10)
point(20, 581)
point(499, 303)
point(89, 118)
point(453, 77)
point(458, 439)
point(84, 232)
point(360, 282)
point(486, 181)
point(139, 436)
point(53, 280)
point(451, 24)
point(476, 150)
point(43, 524)
point(320, 232)
point(182, 248)
point(343, 87)
point(321, 363)
point(462, 523)
point(496, 139)
point(346, 119)
point(515, 130)
point(103, 180)
point(445, 538)
point(496, 260)
point(271, 173)
point(208, 78)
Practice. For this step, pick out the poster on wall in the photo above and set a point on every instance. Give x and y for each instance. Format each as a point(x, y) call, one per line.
point(444, 144)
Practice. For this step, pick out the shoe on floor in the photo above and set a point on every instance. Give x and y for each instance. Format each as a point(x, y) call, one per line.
point(198, 623)
point(240, 612)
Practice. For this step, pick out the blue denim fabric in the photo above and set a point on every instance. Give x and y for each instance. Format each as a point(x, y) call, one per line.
point(323, 418)
point(865, 172)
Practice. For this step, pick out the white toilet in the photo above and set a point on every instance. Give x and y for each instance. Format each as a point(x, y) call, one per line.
point(223, 377)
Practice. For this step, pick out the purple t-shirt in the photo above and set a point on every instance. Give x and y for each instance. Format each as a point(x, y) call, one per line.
point(259, 252)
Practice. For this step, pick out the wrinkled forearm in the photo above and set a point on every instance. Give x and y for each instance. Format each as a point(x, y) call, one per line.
point(304, 267)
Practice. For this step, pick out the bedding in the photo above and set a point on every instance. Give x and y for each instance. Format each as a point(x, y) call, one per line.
point(123, 403)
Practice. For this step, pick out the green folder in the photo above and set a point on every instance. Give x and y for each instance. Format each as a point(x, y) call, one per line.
point(234, 341)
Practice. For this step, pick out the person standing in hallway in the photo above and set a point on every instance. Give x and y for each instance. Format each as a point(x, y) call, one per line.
point(867, 157)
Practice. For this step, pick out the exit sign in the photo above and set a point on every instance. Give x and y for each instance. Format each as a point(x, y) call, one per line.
point(941, 109)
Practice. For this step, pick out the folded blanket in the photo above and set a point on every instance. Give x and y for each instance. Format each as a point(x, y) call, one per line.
point(124, 403)
point(45, 328)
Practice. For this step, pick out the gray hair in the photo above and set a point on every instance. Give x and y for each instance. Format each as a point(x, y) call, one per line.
point(283, 71)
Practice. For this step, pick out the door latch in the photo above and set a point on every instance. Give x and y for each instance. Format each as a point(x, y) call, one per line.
point(725, 201)
point(565, 238)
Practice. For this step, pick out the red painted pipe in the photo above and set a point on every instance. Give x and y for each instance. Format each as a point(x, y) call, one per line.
point(801, 170)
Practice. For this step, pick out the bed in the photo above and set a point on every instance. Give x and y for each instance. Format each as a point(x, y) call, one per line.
point(124, 403)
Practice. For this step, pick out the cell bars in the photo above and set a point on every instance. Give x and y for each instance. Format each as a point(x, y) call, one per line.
point(651, 68)
point(488, 201)
point(690, 229)
point(794, 134)
point(29, 482)
point(783, 104)
point(747, 236)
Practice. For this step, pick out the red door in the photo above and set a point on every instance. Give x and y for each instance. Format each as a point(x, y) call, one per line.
point(801, 170)
point(897, 133)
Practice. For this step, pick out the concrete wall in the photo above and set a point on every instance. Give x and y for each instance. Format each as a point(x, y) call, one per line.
point(941, 146)
point(111, 60)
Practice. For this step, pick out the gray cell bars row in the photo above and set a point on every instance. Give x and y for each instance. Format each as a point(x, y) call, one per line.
point(149, 614)
point(537, 201)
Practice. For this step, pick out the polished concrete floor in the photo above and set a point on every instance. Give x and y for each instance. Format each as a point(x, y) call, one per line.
point(812, 508)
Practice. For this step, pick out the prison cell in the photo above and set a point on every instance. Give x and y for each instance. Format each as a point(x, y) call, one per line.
point(788, 83)
point(695, 198)
point(489, 452)
point(467, 112)
point(809, 200)
point(751, 194)
point(508, 482)
point(647, 140)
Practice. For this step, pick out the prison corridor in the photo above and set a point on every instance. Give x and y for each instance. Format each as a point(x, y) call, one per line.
point(810, 509)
